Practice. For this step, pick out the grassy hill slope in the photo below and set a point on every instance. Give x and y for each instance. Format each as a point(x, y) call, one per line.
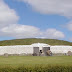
point(30, 41)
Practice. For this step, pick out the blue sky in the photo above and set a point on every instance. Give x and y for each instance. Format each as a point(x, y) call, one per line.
point(30, 19)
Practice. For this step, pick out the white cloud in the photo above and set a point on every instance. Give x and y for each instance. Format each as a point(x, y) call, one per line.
point(53, 34)
point(25, 31)
point(7, 15)
point(69, 26)
point(20, 31)
point(61, 7)
point(70, 39)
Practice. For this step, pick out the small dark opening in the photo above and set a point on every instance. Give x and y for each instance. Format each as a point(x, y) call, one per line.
point(40, 51)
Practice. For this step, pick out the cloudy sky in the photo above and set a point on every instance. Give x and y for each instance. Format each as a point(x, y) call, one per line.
point(51, 19)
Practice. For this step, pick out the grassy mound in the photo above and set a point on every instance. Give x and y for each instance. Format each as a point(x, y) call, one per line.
point(34, 40)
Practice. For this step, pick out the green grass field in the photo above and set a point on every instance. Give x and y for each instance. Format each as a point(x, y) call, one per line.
point(35, 60)
point(36, 64)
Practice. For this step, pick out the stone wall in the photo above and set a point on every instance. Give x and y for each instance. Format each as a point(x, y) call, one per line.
point(61, 49)
point(18, 49)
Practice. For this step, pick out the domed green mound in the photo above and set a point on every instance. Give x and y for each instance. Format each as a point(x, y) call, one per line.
point(29, 41)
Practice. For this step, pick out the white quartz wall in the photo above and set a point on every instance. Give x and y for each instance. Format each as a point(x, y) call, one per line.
point(60, 49)
point(18, 49)
point(28, 49)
